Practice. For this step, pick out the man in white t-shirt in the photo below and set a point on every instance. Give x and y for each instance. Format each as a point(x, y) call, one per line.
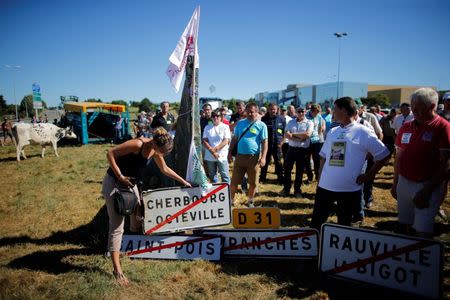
point(341, 160)
point(404, 116)
point(287, 118)
point(216, 137)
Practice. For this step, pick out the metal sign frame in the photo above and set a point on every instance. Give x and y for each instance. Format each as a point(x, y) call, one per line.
point(388, 247)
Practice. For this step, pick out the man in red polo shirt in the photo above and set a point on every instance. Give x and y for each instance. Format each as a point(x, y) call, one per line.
point(421, 164)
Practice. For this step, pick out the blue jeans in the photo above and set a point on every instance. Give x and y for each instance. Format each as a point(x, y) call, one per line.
point(222, 167)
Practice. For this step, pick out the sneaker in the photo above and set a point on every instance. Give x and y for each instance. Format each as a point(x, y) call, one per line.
point(368, 205)
point(251, 204)
point(358, 223)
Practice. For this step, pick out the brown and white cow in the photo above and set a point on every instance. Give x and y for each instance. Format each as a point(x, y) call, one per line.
point(42, 134)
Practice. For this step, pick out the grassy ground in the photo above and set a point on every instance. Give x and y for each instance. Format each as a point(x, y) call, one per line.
point(53, 231)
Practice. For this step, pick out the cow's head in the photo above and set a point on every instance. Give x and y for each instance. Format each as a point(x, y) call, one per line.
point(69, 133)
point(65, 132)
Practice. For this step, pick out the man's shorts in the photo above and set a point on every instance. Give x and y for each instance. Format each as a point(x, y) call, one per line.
point(245, 163)
point(422, 220)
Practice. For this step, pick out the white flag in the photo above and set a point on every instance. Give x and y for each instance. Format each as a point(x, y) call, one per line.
point(187, 45)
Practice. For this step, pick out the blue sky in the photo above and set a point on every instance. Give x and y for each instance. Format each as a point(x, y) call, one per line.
point(120, 49)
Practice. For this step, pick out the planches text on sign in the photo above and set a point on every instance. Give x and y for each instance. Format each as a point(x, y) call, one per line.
point(175, 209)
point(256, 218)
point(395, 261)
point(283, 243)
point(172, 247)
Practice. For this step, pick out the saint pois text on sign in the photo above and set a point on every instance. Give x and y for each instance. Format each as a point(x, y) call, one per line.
point(395, 261)
point(299, 243)
point(172, 247)
point(256, 218)
point(175, 209)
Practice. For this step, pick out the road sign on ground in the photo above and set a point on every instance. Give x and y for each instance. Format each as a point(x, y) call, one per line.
point(172, 247)
point(256, 217)
point(395, 261)
point(175, 209)
point(299, 243)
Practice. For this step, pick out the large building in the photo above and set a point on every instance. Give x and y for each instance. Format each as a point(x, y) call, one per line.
point(328, 92)
point(397, 93)
point(300, 94)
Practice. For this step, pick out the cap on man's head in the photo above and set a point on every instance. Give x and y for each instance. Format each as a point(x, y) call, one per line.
point(283, 107)
point(143, 113)
point(358, 101)
point(405, 104)
point(300, 109)
point(446, 96)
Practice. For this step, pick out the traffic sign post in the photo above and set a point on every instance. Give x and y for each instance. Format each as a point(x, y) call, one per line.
point(399, 262)
point(37, 100)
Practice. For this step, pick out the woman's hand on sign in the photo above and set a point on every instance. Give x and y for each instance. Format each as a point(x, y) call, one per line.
point(187, 184)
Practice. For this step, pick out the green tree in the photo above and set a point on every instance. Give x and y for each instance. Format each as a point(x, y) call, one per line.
point(175, 107)
point(378, 99)
point(231, 104)
point(135, 103)
point(3, 105)
point(26, 105)
point(93, 100)
point(11, 109)
point(120, 102)
point(146, 105)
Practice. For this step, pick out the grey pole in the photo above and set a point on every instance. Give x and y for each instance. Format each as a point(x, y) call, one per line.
point(14, 68)
point(339, 35)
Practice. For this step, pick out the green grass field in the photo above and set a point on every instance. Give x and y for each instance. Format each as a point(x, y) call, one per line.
point(53, 227)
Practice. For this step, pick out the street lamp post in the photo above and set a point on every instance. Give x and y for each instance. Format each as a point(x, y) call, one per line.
point(14, 68)
point(339, 35)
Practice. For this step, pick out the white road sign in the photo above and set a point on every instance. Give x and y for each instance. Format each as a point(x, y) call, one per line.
point(175, 209)
point(172, 247)
point(395, 261)
point(282, 243)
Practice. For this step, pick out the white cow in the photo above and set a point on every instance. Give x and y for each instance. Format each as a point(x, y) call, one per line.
point(43, 134)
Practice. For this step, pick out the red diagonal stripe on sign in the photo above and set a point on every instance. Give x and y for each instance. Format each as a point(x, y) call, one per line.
point(269, 240)
point(171, 245)
point(366, 261)
point(190, 206)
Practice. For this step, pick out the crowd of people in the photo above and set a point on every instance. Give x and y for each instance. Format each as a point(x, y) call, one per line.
point(342, 148)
